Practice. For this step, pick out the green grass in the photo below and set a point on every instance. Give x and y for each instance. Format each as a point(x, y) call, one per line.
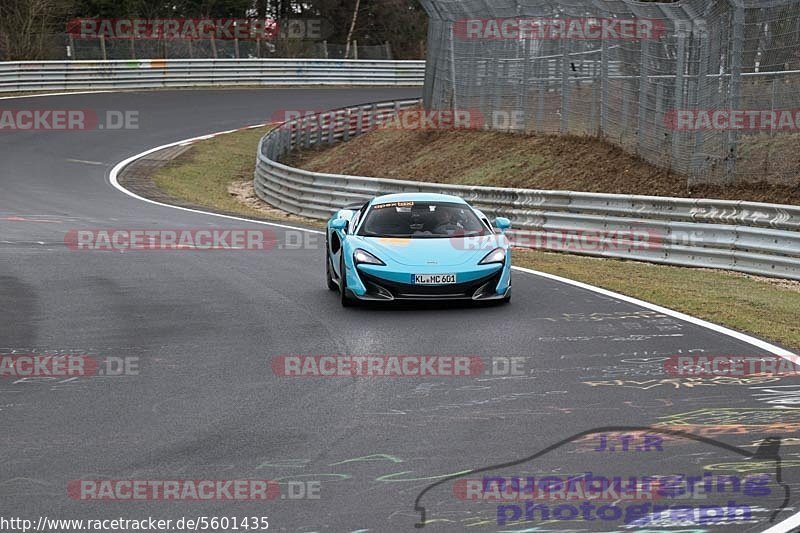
point(765, 308)
point(202, 174)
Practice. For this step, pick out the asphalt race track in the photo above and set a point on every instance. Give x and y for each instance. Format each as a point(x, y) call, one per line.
point(205, 326)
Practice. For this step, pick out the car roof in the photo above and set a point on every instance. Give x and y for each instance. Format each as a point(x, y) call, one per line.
point(417, 197)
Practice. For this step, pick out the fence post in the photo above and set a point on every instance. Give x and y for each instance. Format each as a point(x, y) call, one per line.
point(644, 82)
point(564, 88)
point(604, 88)
point(332, 127)
point(658, 120)
point(736, 51)
point(484, 77)
point(699, 102)
point(453, 66)
point(524, 73)
point(597, 98)
point(348, 122)
point(235, 40)
point(772, 104)
point(445, 91)
point(680, 88)
point(371, 120)
point(623, 130)
point(524, 86)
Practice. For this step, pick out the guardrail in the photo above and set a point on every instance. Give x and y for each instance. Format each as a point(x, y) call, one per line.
point(755, 238)
point(155, 73)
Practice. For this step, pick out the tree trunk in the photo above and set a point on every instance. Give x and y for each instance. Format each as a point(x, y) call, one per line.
point(352, 29)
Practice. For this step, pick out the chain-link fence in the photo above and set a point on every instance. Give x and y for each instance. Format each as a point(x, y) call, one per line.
point(59, 47)
point(707, 88)
point(96, 49)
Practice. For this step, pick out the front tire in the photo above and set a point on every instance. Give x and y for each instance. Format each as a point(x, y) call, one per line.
point(328, 274)
point(346, 301)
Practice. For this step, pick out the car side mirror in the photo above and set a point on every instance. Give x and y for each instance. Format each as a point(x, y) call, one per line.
point(339, 224)
point(502, 223)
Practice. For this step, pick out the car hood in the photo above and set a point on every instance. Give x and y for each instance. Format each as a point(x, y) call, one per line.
point(430, 252)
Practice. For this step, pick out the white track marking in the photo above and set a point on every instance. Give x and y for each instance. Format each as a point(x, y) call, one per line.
point(113, 178)
point(84, 162)
point(787, 526)
point(790, 524)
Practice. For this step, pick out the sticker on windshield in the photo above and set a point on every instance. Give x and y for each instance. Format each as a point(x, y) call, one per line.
point(393, 204)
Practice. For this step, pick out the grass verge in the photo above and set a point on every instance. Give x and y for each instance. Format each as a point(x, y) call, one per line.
point(212, 174)
point(217, 173)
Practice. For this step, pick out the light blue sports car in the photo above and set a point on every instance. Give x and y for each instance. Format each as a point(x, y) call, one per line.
point(417, 246)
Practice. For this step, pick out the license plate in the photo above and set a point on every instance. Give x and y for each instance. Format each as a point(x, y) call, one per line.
point(434, 279)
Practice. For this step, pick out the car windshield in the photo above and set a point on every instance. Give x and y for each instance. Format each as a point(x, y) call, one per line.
point(422, 220)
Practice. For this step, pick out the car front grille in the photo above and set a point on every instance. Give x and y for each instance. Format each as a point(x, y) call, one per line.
point(378, 288)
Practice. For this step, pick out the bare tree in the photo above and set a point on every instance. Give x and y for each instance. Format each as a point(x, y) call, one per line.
point(352, 29)
point(27, 25)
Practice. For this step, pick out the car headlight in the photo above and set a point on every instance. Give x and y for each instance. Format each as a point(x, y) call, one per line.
point(498, 255)
point(365, 258)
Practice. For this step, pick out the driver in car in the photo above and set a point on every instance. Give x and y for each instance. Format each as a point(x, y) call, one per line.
point(445, 222)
